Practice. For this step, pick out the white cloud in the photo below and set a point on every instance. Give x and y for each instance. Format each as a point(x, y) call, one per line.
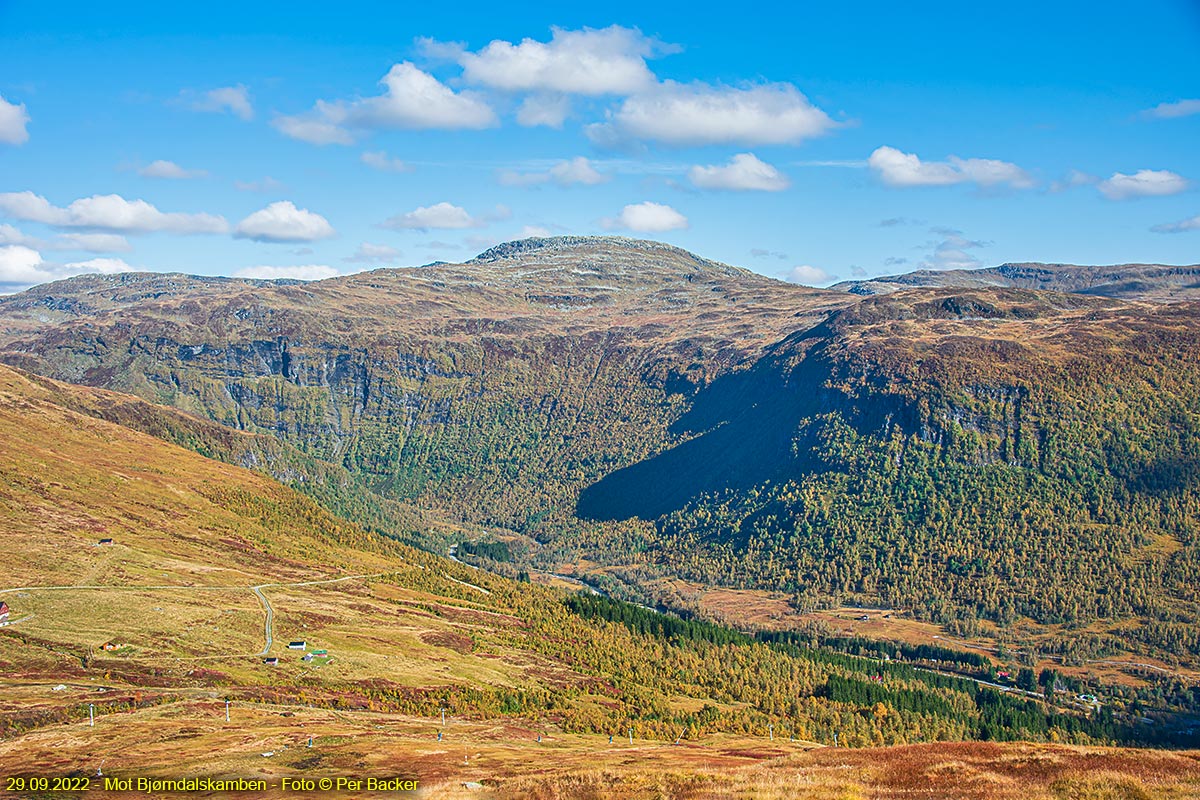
point(22, 267)
point(897, 168)
point(589, 61)
point(548, 110)
point(169, 170)
point(647, 218)
point(10, 235)
point(533, 231)
point(951, 253)
point(1183, 226)
point(1182, 108)
point(13, 119)
point(1143, 183)
point(808, 275)
point(90, 242)
point(95, 242)
point(234, 99)
point(313, 130)
point(283, 222)
point(267, 184)
point(744, 172)
point(107, 212)
point(303, 272)
point(701, 114)
point(412, 100)
point(578, 170)
point(368, 253)
point(381, 161)
point(441, 216)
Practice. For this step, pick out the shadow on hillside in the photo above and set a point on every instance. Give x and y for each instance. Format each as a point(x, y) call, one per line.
point(748, 422)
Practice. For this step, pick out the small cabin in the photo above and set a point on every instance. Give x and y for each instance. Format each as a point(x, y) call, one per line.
point(297, 645)
point(272, 661)
point(106, 541)
point(109, 646)
point(3, 611)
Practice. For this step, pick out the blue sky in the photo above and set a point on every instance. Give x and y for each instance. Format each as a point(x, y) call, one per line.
point(814, 143)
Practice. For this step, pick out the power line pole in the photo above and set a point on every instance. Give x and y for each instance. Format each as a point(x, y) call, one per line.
point(91, 715)
point(227, 711)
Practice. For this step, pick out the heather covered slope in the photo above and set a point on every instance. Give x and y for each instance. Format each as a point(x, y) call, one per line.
point(636, 409)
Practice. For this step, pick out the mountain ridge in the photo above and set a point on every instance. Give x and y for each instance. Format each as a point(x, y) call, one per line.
point(1158, 282)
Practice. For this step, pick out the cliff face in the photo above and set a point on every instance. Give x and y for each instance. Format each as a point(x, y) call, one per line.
point(950, 449)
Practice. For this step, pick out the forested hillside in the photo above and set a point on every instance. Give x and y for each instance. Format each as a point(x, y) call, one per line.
point(193, 545)
point(961, 453)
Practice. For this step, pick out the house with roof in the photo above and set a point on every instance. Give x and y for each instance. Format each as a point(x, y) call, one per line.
point(301, 645)
point(3, 611)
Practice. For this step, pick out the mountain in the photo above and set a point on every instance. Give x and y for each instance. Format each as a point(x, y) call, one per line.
point(1157, 282)
point(149, 585)
point(631, 411)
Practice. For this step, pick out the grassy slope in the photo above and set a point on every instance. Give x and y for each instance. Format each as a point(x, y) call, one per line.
point(425, 634)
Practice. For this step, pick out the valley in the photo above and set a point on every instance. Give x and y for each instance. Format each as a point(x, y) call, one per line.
point(856, 512)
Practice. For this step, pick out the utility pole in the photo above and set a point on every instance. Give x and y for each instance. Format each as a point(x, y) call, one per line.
point(631, 736)
point(227, 711)
point(771, 730)
point(91, 715)
point(443, 716)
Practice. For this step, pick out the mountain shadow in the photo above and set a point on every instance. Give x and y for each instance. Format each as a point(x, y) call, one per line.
point(753, 428)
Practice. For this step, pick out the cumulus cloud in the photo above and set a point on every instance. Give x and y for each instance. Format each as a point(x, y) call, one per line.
point(10, 235)
point(13, 119)
point(533, 231)
point(22, 267)
point(381, 161)
point(169, 170)
point(647, 218)
point(702, 114)
point(550, 111)
point(438, 216)
point(808, 275)
point(578, 170)
point(368, 253)
point(107, 212)
point(1183, 226)
point(303, 272)
point(1181, 108)
point(897, 168)
point(744, 172)
point(589, 62)
point(283, 222)
point(412, 100)
point(226, 99)
point(1143, 183)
